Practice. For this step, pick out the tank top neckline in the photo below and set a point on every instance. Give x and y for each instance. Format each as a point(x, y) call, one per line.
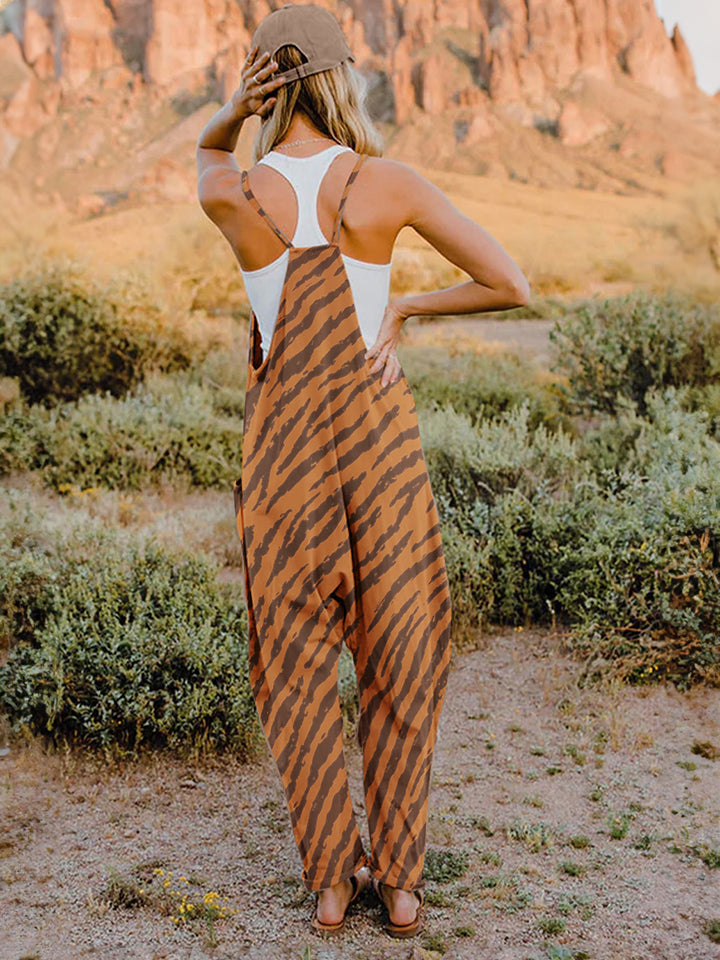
point(311, 156)
point(366, 264)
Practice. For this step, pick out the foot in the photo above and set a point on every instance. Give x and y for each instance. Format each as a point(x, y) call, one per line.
point(402, 905)
point(333, 902)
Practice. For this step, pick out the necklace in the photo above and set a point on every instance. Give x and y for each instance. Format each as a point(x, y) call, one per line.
point(292, 143)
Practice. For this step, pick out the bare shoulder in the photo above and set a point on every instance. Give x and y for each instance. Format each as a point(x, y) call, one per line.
point(385, 167)
point(392, 174)
point(399, 189)
point(218, 185)
point(404, 189)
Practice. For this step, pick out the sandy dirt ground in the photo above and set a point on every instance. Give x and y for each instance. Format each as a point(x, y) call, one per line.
point(526, 338)
point(533, 774)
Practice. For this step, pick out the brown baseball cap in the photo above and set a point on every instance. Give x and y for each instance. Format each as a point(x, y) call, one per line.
point(310, 28)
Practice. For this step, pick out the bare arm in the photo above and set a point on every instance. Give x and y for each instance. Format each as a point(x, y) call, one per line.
point(497, 282)
point(216, 164)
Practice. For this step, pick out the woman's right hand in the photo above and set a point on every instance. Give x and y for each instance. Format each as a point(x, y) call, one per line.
point(252, 94)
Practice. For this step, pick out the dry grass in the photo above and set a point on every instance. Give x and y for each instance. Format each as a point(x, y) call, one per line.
point(570, 242)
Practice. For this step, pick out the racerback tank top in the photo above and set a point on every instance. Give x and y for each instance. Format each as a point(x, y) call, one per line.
point(369, 282)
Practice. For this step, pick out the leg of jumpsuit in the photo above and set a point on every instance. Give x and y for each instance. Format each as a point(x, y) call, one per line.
point(341, 542)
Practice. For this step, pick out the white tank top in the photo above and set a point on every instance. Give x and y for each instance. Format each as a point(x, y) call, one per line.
point(369, 282)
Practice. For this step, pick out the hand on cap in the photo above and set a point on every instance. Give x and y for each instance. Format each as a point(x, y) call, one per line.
point(252, 94)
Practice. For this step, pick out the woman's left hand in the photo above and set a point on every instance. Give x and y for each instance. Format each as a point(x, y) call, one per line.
point(385, 346)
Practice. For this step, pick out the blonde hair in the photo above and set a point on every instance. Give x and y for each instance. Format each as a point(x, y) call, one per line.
point(333, 100)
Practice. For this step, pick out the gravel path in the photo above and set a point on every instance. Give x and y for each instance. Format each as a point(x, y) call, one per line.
point(526, 763)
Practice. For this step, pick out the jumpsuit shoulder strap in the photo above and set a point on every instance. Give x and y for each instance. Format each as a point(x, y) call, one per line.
point(263, 213)
point(346, 191)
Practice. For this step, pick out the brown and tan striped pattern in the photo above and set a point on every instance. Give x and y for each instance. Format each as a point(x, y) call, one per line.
point(341, 543)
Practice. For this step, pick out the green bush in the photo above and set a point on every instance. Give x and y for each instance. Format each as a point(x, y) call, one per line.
point(472, 588)
point(480, 386)
point(707, 399)
point(25, 598)
point(669, 439)
point(22, 440)
point(121, 647)
point(621, 348)
point(168, 431)
point(633, 576)
point(63, 336)
point(441, 866)
point(496, 485)
point(468, 463)
point(646, 589)
point(626, 554)
point(646, 597)
point(223, 372)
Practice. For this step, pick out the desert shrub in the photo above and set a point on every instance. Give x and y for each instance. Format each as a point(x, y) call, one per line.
point(121, 646)
point(645, 590)
point(497, 486)
point(25, 598)
point(506, 549)
point(142, 439)
point(669, 441)
point(635, 577)
point(626, 554)
point(647, 601)
point(504, 566)
point(468, 463)
point(619, 349)
point(523, 563)
point(64, 336)
point(707, 398)
point(480, 386)
point(22, 440)
point(223, 372)
point(471, 585)
point(167, 431)
point(442, 866)
point(642, 585)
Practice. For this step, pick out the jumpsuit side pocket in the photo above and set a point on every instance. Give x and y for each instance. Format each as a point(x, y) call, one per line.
point(237, 500)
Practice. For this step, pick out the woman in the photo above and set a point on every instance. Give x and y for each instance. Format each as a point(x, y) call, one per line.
point(339, 529)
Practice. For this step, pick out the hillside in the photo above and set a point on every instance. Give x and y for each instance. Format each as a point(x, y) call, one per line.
point(101, 102)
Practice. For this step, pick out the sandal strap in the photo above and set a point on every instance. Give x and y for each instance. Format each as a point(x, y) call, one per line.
point(355, 883)
point(319, 925)
point(378, 884)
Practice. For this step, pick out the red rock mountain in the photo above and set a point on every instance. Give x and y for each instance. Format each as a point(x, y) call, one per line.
point(452, 79)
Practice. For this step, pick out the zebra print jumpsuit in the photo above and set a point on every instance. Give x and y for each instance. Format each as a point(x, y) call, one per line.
point(340, 543)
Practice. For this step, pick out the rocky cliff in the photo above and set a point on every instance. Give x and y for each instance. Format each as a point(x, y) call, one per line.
point(476, 62)
point(513, 49)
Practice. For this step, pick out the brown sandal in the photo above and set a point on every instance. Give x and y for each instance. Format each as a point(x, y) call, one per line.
point(332, 928)
point(400, 931)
